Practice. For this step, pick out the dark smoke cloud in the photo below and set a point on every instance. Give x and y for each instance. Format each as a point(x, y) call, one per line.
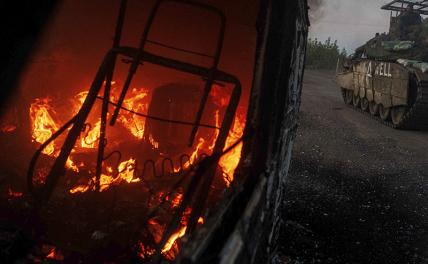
point(316, 9)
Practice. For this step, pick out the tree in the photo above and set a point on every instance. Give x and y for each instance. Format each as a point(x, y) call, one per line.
point(323, 55)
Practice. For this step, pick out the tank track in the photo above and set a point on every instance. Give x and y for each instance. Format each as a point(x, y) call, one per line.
point(416, 116)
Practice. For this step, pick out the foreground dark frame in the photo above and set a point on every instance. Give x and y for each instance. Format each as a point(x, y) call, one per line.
point(246, 229)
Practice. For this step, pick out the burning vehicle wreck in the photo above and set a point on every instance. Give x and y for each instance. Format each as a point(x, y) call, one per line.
point(165, 157)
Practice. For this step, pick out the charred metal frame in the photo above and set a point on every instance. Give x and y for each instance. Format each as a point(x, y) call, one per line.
point(199, 184)
point(420, 6)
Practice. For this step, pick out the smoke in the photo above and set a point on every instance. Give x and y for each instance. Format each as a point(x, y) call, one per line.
point(351, 22)
point(316, 10)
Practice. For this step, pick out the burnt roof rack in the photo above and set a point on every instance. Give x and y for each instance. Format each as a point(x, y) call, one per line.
point(419, 6)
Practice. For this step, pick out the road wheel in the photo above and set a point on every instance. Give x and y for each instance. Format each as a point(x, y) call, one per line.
point(364, 104)
point(356, 100)
point(373, 108)
point(348, 96)
point(397, 114)
point(385, 113)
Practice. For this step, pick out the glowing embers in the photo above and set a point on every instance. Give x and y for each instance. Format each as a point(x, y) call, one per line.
point(14, 194)
point(55, 255)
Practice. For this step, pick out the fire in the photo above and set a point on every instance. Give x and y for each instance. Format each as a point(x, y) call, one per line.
point(230, 160)
point(79, 189)
point(14, 194)
point(171, 247)
point(175, 202)
point(91, 138)
point(70, 165)
point(194, 156)
point(43, 126)
point(138, 102)
point(177, 235)
point(126, 171)
point(55, 254)
point(217, 124)
point(173, 238)
point(154, 143)
point(80, 97)
point(42, 123)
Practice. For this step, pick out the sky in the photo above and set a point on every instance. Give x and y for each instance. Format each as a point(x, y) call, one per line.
point(350, 22)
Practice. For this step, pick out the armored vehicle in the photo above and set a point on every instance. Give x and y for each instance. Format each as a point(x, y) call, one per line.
point(387, 77)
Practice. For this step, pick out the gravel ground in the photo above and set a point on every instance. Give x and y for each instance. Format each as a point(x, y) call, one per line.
point(357, 191)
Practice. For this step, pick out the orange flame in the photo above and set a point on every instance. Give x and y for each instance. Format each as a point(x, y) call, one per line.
point(217, 132)
point(138, 103)
point(171, 247)
point(55, 255)
point(43, 126)
point(230, 160)
point(42, 123)
point(126, 171)
point(173, 238)
point(194, 156)
point(79, 189)
point(177, 235)
point(154, 143)
point(70, 165)
point(80, 97)
point(91, 138)
point(126, 174)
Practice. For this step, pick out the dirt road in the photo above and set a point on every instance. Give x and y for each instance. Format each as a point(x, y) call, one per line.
point(358, 190)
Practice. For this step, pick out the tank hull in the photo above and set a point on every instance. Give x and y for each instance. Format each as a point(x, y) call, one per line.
point(390, 92)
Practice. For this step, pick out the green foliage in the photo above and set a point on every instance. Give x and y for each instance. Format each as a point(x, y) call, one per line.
point(323, 55)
